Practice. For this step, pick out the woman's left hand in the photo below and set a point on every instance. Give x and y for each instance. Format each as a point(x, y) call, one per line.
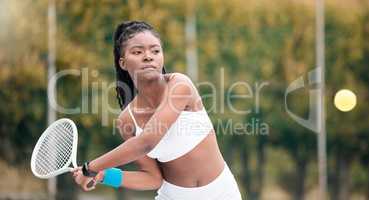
point(87, 183)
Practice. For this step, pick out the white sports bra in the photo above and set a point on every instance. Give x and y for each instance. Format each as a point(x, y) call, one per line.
point(190, 128)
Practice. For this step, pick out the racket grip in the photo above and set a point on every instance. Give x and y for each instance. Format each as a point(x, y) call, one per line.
point(90, 184)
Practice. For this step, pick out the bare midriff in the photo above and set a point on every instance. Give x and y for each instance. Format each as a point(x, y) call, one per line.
point(197, 168)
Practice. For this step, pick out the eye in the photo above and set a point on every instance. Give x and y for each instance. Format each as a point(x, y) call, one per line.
point(136, 52)
point(156, 51)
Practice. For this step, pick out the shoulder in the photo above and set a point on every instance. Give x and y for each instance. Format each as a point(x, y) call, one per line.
point(180, 83)
point(178, 77)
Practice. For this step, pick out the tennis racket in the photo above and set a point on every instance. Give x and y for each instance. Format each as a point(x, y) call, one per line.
point(55, 150)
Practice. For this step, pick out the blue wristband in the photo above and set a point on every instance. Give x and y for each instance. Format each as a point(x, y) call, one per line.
point(113, 177)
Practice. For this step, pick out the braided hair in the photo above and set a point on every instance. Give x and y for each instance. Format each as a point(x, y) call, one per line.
point(125, 88)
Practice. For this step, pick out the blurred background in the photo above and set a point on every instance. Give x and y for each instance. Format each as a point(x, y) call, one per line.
point(242, 55)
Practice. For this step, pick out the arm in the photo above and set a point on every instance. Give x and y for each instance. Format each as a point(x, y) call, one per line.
point(176, 97)
point(144, 179)
point(148, 177)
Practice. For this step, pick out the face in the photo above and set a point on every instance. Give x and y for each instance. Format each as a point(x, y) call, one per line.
point(143, 57)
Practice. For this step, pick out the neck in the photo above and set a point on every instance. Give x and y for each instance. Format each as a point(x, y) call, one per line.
point(150, 92)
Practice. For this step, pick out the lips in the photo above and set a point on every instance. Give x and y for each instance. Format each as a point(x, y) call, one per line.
point(148, 67)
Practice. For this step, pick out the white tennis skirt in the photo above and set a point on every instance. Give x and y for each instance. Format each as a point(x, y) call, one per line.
point(224, 187)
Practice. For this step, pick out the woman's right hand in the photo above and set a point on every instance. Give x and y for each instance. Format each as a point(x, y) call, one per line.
point(87, 183)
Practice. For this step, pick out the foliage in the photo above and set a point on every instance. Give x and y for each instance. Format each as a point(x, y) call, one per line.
point(253, 42)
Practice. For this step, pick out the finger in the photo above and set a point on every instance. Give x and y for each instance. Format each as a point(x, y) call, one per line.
point(79, 173)
point(74, 170)
point(78, 180)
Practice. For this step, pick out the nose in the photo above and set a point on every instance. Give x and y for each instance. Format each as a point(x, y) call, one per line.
point(148, 57)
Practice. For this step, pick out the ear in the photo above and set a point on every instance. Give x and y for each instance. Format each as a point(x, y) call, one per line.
point(121, 63)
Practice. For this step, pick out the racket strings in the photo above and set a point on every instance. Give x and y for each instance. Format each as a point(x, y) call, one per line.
point(54, 162)
point(55, 150)
point(58, 160)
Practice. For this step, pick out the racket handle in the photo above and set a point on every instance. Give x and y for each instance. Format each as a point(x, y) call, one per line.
point(90, 184)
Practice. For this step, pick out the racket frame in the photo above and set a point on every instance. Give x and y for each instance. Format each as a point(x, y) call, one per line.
point(72, 159)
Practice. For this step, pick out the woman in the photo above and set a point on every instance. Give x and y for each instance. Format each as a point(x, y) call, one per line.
point(166, 129)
